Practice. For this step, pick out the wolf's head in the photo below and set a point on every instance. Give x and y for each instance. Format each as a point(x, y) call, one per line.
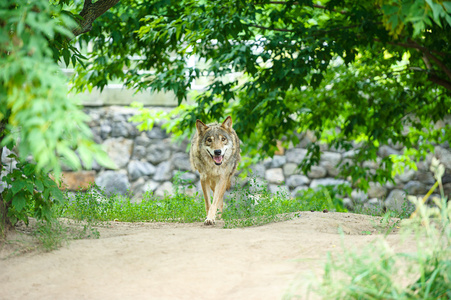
point(216, 139)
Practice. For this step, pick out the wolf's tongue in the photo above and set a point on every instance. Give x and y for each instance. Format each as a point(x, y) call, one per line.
point(218, 159)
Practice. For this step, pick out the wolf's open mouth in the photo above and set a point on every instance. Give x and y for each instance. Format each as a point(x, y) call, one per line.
point(217, 158)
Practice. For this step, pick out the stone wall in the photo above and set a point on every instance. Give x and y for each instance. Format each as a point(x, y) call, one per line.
point(148, 161)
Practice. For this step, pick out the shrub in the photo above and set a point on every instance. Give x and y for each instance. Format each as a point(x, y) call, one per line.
point(378, 272)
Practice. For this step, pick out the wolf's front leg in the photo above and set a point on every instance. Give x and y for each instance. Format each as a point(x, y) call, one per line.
point(217, 201)
point(206, 191)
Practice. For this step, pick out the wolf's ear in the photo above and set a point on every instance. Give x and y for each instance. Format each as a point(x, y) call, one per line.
point(200, 126)
point(227, 124)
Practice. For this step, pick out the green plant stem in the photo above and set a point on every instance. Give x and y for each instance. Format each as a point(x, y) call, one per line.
point(426, 198)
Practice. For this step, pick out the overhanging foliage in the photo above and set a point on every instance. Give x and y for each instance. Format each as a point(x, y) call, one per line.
point(365, 71)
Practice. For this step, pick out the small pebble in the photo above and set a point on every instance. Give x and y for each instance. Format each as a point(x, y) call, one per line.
point(325, 211)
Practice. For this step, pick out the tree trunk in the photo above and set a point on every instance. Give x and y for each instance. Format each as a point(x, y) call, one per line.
point(5, 224)
point(91, 11)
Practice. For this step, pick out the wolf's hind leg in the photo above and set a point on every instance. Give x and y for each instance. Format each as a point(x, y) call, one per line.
point(221, 200)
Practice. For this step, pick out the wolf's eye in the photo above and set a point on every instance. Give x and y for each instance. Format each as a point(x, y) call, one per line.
point(209, 140)
point(223, 139)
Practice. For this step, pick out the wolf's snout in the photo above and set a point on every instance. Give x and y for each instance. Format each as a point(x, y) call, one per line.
point(217, 157)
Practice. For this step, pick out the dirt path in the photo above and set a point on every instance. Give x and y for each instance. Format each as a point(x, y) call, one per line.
point(186, 261)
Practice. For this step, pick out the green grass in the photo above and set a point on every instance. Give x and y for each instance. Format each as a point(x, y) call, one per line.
point(406, 210)
point(94, 206)
point(254, 205)
point(251, 205)
point(379, 272)
point(376, 272)
point(390, 219)
point(242, 207)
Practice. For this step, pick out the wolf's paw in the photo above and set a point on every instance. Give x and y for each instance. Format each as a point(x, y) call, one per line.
point(209, 221)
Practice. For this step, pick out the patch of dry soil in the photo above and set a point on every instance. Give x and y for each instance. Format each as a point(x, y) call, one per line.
point(187, 261)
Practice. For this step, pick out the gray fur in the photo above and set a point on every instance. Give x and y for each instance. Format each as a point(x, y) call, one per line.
point(215, 153)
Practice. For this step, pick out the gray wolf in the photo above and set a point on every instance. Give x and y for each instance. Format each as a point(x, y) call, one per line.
point(215, 153)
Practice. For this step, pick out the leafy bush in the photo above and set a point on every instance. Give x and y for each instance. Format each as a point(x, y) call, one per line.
point(30, 193)
point(35, 108)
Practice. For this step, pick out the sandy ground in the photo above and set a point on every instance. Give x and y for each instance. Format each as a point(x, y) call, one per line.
point(188, 261)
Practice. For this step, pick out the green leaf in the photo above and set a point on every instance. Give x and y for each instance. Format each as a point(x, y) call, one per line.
point(437, 10)
point(17, 186)
point(46, 194)
point(85, 155)
point(29, 187)
point(66, 55)
point(74, 60)
point(103, 159)
point(448, 19)
point(447, 5)
point(29, 169)
point(57, 194)
point(48, 182)
point(39, 185)
point(71, 157)
point(19, 201)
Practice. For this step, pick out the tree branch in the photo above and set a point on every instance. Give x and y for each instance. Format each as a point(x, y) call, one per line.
point(90, 12)
point(413, 45)
point(274, 29)
point(428, 55)
point(85, 7)
point(427, 62)
point(439, 63)
point(446, 84)
point(315, 33)
point(297, 3)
